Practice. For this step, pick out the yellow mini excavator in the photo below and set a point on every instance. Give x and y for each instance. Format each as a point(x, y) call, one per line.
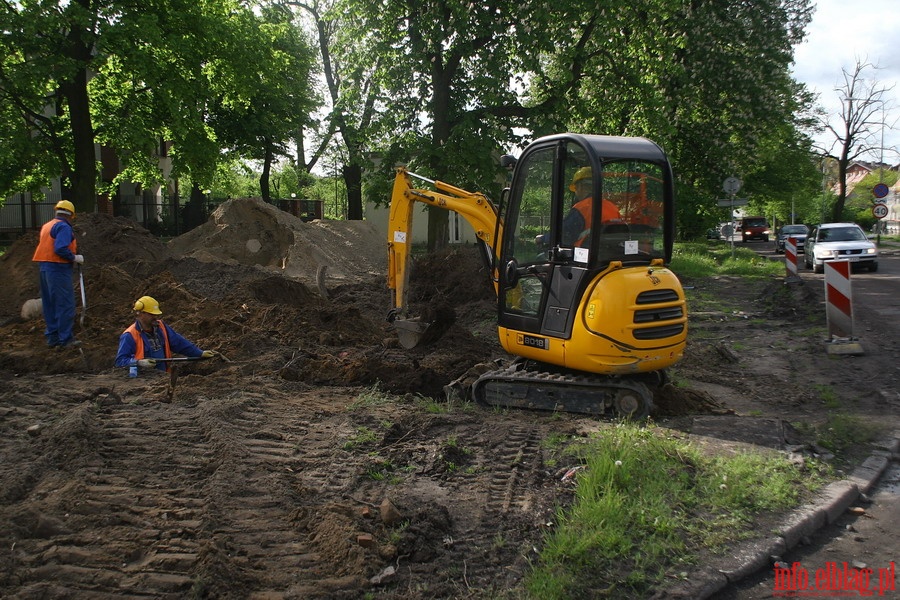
point(577, 250)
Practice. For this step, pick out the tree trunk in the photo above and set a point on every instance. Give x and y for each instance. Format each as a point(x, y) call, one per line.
point(838, 209)
point(85, 183)
point(438, 228)
point(195, 209)
point(264, 176)
point(353, 180)
point(439, 218)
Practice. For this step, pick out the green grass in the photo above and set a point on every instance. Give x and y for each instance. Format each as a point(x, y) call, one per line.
point(373, 396)
point(646, 505)
point(840, 430)
point(699, 259)
point(362, 436)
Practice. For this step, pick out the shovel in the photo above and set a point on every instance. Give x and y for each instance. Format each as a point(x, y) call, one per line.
point(178, 359)
point(83, 296)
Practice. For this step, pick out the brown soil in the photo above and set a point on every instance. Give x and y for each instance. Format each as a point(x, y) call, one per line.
point(318, 459)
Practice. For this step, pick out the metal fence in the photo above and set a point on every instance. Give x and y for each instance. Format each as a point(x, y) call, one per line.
point(20, 213)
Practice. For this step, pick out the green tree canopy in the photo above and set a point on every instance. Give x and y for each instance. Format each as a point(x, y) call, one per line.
point(201, 77)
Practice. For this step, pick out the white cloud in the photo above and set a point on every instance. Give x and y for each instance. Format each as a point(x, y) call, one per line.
point(839, 34)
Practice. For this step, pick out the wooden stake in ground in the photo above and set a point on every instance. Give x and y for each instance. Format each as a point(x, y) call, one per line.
point(173, 377)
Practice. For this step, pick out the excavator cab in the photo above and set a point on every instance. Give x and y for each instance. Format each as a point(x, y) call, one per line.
point(579, 247)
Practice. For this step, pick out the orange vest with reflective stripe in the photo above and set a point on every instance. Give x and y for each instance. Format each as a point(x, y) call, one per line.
point(139, 341)
point(44, 251)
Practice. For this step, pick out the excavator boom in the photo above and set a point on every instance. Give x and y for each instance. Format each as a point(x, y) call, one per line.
point(478, 211)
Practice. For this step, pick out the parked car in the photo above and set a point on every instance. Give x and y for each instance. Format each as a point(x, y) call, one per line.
point(798, 232)
point(754, 228)
point(839, 241)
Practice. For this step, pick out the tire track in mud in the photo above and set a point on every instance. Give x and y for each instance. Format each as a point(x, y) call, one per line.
point(503, 510)
point(166, 501)
point(521, 450)
point(112, 493)
point(260, 519)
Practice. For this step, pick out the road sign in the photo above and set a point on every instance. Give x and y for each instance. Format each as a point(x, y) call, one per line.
point(880, 211)
point(735, 202)
point(880, 190)
point(731, 185)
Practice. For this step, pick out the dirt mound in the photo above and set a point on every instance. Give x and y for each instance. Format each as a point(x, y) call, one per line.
point(251, 232)
point(306, 301)
point(103, 240)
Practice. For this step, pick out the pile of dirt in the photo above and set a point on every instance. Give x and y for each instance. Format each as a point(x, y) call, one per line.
point(304, 300)
point(251, 232)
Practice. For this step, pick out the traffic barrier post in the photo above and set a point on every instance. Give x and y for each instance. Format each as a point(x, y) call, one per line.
point(839, 308)
point(790, 261)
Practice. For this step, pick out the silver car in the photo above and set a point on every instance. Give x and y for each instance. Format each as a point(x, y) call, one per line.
point(798, 232)
point(839, 241)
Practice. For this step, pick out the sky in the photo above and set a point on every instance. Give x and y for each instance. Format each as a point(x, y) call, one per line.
point(841, 32)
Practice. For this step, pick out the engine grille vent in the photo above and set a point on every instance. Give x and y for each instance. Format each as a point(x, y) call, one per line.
point(657, 296)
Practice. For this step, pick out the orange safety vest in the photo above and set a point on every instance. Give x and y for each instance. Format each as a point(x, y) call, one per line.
point(44, 251)
point(586, 208)
point(139, 341)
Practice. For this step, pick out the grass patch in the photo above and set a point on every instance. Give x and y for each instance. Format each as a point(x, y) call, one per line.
point(363, 436)
point(696, 259)
point(373, 396)
point(841, 431)
point(646, 505)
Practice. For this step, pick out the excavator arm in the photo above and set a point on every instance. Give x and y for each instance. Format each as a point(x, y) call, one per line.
point(474, 207)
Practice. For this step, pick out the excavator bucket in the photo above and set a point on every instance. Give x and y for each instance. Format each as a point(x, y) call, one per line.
point(411, 332)
point(427, 327)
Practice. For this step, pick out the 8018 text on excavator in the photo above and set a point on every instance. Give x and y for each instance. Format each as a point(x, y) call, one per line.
point(577, 249)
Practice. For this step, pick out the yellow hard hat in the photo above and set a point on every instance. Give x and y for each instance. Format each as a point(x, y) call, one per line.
point(65, 205)
point(582, 173)
point(148, 305)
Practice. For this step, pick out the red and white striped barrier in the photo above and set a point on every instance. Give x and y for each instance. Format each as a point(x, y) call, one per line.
point(838, 299)
point(790, 260)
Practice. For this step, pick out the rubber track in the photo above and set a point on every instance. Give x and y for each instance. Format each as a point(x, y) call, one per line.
point(546, 390)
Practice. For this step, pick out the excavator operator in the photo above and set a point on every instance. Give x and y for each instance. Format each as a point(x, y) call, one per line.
point(576, 228)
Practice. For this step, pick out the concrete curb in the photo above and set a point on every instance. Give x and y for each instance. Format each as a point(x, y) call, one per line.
point(834, 499)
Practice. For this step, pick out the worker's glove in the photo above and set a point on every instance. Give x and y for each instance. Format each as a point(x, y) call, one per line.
point(209, 354)
point(79, 259)
point(147, 363)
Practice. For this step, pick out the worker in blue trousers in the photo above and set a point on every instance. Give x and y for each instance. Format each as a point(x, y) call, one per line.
point(56, 253)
